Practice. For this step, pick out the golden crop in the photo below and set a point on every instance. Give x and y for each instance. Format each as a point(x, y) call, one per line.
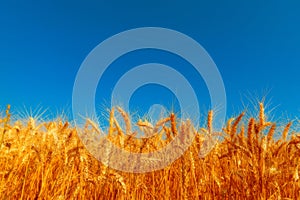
point(48, 161)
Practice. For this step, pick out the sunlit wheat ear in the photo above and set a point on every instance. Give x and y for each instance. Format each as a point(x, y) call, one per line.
point(235, 125)
point(208, 139)
point(94, 126)
point(241, 135)
point(203, 131)
point(286, 131)
point(250, 133)
point(118, 127)
point(111, 123)
point(31, 123)
point(65, 126)
point(126, 120)
point(160, 124)
point(7, 117)
point(146, 127)
point(173, 125)
point(262, 118)
point(6, 127)
point(168, 133)
point(210, 121)
point(261, 115)
point(7, 111)
point(227, 129)
point(271, 133)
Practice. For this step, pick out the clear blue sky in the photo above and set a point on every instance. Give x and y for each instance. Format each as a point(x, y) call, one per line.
point(255, 45)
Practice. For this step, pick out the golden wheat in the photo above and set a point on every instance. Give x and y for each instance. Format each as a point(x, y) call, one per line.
point(49, 161)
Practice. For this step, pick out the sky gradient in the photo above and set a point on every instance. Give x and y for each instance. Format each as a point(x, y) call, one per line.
point(255, 45)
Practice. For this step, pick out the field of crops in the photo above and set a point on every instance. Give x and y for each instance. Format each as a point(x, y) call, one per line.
point(48, 161)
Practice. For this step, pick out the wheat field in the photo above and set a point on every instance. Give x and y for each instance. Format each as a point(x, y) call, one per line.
point(49, 161)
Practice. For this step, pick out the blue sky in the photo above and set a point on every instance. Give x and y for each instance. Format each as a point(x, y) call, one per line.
point(255, 45)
